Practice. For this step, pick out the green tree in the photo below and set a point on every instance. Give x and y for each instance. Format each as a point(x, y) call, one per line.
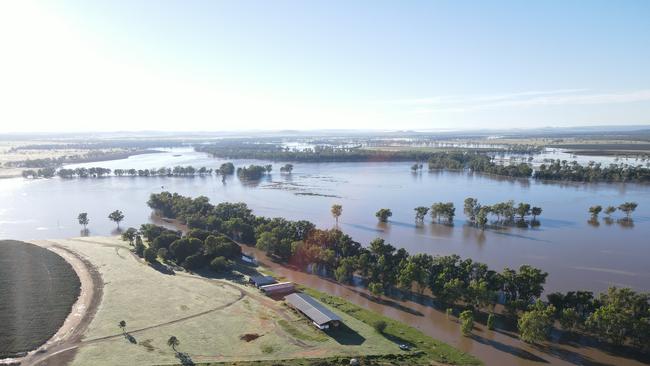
point(628, 208)
point(116, 216)
point(482, 216)
point(336, 210)
point(122, 325)
point(535, 325)
point(471, 208)
point(610, 210)
point(376, 289)
point(420, 213)
point(220, 264)
point(595, 210)
point(536, 211)
point(569, 319)
point(466, 322)
point(150, 255)
point(383, 214)
point(523, 210)
point(129, 235)
point(139, 246)
point(173, 342)
point(83, 219)
point(345, 270)
point(490, 321)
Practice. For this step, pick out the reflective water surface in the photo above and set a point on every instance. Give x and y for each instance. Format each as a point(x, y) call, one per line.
point(578, 254)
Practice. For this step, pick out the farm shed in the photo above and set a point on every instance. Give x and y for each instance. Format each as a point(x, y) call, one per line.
point(321, 316)
point(260, 281)
point(276, 288)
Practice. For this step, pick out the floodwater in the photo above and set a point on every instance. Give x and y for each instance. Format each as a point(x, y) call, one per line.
point(576, 254)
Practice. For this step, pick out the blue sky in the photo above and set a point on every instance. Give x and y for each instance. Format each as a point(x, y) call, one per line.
point(212, 65)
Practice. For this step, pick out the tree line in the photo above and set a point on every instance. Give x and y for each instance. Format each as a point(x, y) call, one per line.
point(251, 172)
point(451, 279)
point(592, 172)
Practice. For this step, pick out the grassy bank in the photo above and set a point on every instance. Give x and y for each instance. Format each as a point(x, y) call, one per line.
point(424, 349)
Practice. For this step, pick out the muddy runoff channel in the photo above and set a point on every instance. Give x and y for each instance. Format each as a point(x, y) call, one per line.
point(497, 347)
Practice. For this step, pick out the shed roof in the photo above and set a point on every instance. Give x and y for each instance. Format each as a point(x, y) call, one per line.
point(263, 280)
point(316, 311)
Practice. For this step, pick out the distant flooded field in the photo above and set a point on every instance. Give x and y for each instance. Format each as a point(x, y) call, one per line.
point(577, 253)
point(37, 290)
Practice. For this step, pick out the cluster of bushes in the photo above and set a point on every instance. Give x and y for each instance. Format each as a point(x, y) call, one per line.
point(592, 172)
point(196, 249)
point(476, 162)
point(618, 316)
point(383, 267)
point(253, 172)
point(506, 212)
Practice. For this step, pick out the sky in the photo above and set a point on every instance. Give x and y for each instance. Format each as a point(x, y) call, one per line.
point(266, 65)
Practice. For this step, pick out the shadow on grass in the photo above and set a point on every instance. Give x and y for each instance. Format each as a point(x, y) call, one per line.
point(515, 351)
point(162, 268)
point(184, 358)
point(345, 335)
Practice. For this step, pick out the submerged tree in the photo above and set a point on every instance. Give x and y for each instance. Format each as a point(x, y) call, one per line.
point(536, 211)
point(116, 216)
point(628, 208)
point(466, 322)
point(383, 214)
point(83, 219)
point(595, 210)
point(336, 210)
point(420, 213)
point(610, 210)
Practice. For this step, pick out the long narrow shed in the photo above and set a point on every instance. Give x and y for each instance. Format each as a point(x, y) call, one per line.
point(321, 316)
point(260, 281)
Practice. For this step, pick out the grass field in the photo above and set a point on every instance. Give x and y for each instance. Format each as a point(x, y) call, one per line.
point(37, 290)
point(208, 316)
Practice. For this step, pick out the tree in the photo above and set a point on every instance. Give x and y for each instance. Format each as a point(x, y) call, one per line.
point(220, 264)
point(471, 208)
point(150, 255)
point(83, 219)
point(139, 246)
point(173, 342)
point(336, 210)
point(536, 211)
point(129, 235)
point(482, 216)
point(569, 319)
point(287, 168)
point(490, 321)
point(345, 270)
point(628, 208)
point(122, 325)
point(383, 214)
point(523, 210)
point(376, 289)
point(420, 213)
point(535, 325)
point(595, 210)
point(466, 322)
point(116, 216)
point(610, 210)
